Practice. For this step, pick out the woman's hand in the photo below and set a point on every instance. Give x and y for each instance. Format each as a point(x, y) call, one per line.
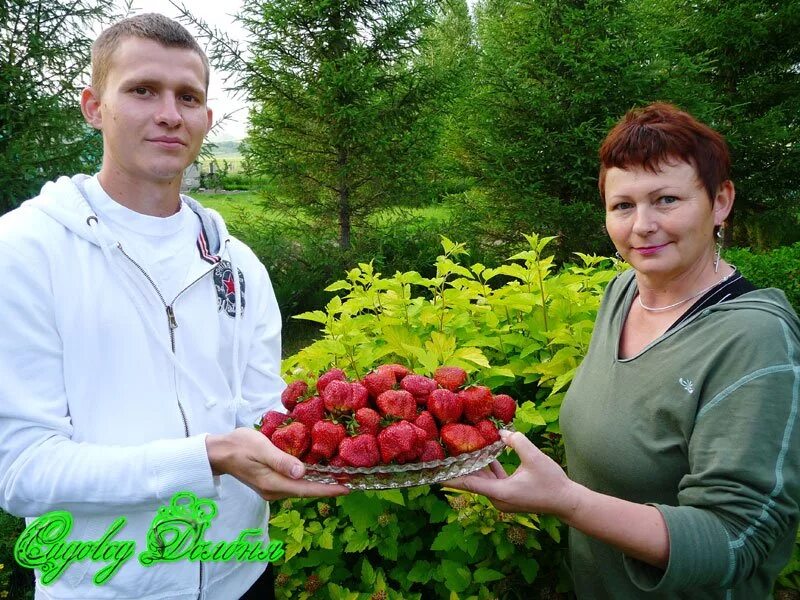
point(539, 485)
point(249, 456)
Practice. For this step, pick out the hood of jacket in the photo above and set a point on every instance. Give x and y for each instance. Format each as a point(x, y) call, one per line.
point(770, 300)
point(66, 201)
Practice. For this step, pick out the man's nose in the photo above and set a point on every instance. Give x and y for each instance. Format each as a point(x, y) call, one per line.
point(169, 113)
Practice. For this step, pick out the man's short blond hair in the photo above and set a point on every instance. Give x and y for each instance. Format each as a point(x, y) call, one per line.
point(148, 26)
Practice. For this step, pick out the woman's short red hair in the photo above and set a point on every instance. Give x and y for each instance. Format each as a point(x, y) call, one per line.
point(661, 133)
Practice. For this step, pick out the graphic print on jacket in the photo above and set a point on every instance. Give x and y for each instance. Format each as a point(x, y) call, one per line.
point(226, 290)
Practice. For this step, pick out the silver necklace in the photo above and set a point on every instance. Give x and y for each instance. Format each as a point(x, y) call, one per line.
point(685, 300)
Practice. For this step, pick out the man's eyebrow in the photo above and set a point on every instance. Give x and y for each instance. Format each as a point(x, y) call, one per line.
point(156, 83)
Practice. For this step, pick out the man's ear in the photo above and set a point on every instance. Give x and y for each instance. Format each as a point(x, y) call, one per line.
point(91, 108)
point(210, 115)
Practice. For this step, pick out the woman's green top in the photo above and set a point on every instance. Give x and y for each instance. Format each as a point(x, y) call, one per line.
point(702, 424)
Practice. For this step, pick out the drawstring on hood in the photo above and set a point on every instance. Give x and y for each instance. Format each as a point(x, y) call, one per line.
point(66, 201)
point(237, 379)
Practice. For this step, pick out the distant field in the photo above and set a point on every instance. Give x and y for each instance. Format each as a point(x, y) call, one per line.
point(235, 162)
point(224, 151)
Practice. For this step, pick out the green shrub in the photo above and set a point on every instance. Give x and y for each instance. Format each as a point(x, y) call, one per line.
point(16, 583)
point(520, 328)
point(243, 182)
point(302, 258)
point(779, 268)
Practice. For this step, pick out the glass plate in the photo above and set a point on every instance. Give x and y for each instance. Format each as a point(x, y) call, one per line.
point(384, 477)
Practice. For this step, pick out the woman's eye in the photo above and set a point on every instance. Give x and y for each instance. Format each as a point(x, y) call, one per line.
point(668, 199)
point(140, 91)
point(621, 206)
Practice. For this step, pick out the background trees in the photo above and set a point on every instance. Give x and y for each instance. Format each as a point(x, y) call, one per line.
point(44, 50)
point(754, 99)
point(552, 77)
point(347, 101)
point(363, 104)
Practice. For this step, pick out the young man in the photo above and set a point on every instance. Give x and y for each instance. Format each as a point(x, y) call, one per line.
point(140, 342)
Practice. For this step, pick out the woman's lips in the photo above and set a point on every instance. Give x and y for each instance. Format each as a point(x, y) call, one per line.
point(647, 250)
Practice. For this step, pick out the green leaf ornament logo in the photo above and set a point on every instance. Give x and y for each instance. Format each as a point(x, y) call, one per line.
point(177, 532)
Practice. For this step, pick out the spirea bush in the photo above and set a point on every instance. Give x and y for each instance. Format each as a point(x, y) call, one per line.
point(521, 328)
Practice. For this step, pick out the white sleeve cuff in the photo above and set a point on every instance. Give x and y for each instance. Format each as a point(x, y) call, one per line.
point(181, 465)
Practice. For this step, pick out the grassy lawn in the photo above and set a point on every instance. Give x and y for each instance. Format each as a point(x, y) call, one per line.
point(236, 206)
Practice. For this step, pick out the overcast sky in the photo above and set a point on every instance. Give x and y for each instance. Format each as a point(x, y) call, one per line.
point(218, 13)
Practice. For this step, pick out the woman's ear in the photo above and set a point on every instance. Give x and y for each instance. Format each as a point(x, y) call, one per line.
point(91, 107)
point(723, 201)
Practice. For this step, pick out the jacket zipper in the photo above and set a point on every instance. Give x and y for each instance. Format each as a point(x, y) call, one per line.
point(172, 323)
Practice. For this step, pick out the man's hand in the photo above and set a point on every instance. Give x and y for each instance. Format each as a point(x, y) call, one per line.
point(249, 456)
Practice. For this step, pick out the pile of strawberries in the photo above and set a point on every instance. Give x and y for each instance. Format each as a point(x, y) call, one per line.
point(390, 416)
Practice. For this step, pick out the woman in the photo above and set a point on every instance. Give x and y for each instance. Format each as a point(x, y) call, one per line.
point(680, 427)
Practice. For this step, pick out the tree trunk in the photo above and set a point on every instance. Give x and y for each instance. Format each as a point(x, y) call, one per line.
point(344, 201)
point(344, 219)
point(339, 48)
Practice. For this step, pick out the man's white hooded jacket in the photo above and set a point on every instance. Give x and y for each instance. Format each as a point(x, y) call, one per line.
point(108, 388)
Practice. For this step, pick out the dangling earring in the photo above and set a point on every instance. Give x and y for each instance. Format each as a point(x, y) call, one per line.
point(618, 256)
point(718, 252)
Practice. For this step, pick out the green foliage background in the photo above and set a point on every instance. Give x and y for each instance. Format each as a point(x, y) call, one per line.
point(521, 328)
point(44, 51)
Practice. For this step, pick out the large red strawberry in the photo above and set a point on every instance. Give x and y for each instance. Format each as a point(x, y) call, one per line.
point(450, 378)
point(488, 431)
point(368, 421)
point(292, 438)
point(460, 438)
point(504, 408)
point(397, 403)
point(432, 451)
point(426, 421)
point(271, 421)
point(325, 438)
point(327, 377)
point(445, 405)
point(338, 396)
point(309, 411)
point(293, 392)
point(419, 386)
point(401, 442)
point(360, 397)
point(422, 436)
point(378, 381)
point(478, 403)
point(359, 451)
